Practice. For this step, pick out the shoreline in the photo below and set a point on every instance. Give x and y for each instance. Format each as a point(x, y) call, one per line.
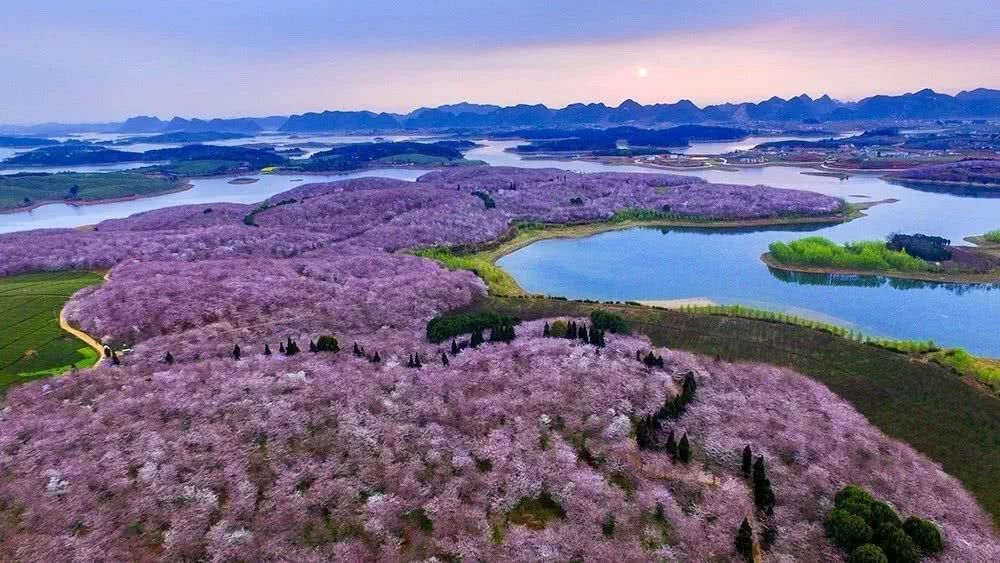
point(898, 181)
point(83, 203)
point(482, 259)
point(939, 277)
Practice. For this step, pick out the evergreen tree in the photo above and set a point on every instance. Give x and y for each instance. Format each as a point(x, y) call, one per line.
point(281, 347)
point(689, 386)
point(758, 469)
point(107, 351)
point(114, 359)
point(444, 359)
point(376, 358)
point(169, 358)
point(312, 347)
point(608, 526)
point(416, 361)
point(409, 362)
point(236, 352)
point(763, 495)
point(477, 339)
point(356, 351)
point(267, 350)
point(747, 460)
point(672, 445)
point(545, 330)
point(291, 348)
point(454, 347)
point(583, 334)
point(744, 540)
point(638, 356)
point(684, 449)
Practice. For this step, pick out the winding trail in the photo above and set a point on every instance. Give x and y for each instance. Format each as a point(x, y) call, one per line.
point(86, 338)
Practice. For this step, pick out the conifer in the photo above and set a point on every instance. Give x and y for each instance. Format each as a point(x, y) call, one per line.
point(444, 359)
point(454, 347)
point(267, 349)
point(169, 358)
point(236, 352)
point(684, 449)
point(744, 541)
point(747, 460)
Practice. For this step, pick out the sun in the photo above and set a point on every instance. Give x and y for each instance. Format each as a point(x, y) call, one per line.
point(643, 72)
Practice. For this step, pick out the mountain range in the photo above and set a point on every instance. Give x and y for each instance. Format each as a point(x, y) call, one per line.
point(922, 105)
point(925, 104)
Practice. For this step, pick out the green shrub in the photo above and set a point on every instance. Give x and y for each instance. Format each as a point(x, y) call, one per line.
point(604, 320)
point(847, 530)
point(898, 546)
point(858, 507)
point(487, 200)
point(924, 534)
point(444, 327)
point(870, 255)
point(882, 513)
point(327, 344)
point(993, 236)
point(868, 553)
point(852, 492)
point(558, 329)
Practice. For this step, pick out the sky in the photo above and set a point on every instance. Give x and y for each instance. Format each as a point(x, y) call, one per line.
point(105, 60)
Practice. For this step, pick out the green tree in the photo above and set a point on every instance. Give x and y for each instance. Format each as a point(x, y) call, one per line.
point(847, 530)
point(747, 460)
point(898, 546)
point(608, 526)
point(684, 449)
point(236, 352)
point(924, 534)
point(744, 540)
point(867, 553)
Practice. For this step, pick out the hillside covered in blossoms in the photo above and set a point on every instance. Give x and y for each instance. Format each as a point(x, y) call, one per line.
point(209, 439)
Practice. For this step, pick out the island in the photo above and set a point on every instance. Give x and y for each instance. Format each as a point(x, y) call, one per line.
point(980, 173)
point(916, 257)
point(22, 191)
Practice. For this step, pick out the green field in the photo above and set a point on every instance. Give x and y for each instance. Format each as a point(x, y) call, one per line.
point(941, 414)
point(32, 345)
point(18, 190)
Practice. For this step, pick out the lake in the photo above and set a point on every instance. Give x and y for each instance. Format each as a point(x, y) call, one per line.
point(724, 266)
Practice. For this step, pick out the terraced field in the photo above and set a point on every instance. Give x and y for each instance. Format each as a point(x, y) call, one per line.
point(32, 344)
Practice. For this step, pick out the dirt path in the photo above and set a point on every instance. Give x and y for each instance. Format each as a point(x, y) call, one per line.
point(86, 338)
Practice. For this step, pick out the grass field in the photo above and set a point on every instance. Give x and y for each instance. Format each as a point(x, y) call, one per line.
point(904, 395)
point(32, 345)
point(24, 189)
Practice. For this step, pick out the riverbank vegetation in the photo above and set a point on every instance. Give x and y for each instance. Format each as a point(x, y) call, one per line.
point(27, 189)
point(917, 257)
point(862, 255)
point(32, 344)
point(993, 236)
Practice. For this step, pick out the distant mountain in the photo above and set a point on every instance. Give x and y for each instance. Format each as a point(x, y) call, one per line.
point(339, 120)
point(925, 104)
point(142, 124)
point(238, 125)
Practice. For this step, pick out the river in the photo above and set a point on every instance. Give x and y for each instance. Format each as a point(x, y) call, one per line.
point(722, 266)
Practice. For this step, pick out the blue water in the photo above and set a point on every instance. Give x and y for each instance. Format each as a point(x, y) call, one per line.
point(724, 266)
